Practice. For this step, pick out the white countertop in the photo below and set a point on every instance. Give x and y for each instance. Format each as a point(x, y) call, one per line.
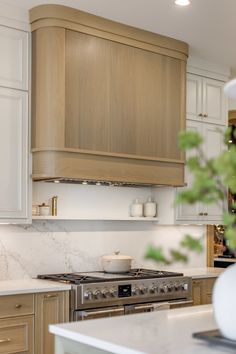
point(204, 272)
point(161, 332)
point(221, 259)
point(27, 286)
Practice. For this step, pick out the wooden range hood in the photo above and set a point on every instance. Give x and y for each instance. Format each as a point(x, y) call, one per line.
point(108, 100)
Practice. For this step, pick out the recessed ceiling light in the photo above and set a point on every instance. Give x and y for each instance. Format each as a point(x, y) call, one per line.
point(182, 2)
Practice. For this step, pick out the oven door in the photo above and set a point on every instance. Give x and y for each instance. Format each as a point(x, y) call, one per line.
point(98, 313)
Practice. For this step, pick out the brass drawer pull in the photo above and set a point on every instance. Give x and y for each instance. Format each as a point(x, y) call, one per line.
point(200, 115)
point(205, 214)
point(5, 340)
point(200, 214)
point(48, 296)
point(18, 306)
point(205, 115)
point(196, 282)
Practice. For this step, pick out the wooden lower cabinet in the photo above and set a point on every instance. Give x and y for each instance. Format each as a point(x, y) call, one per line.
point(16, 335)
point(50, 308)
point(17, 324)
point(24, 321)
point(202, 289)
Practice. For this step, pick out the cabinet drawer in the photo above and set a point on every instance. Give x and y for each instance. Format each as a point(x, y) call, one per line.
point(16, 305)
point(16, 335)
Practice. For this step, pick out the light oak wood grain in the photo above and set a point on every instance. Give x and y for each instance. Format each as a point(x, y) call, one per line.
point(112, 93)
point(16, 305)
point(16, 335)
point(61, 16)
point(50, 308)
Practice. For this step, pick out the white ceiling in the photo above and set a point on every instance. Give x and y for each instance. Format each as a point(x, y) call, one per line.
point(208, 26)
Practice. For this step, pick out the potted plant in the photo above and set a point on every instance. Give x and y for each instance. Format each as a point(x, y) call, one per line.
point(212, 179)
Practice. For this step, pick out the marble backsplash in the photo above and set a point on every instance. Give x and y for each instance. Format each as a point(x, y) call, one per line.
point(67, 246)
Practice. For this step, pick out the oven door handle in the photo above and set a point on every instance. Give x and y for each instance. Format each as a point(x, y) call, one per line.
point(181, 303)
point(153, 307)
point(88, 314)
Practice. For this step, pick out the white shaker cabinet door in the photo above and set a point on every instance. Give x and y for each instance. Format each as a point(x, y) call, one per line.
point(214, 146)
point(214, 102)
point(206, 102)
point(189, 212)
point(194, 97)
point(13, 153)
point(13, 58)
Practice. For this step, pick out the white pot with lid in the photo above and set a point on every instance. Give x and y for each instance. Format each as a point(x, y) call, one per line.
point(116, 263)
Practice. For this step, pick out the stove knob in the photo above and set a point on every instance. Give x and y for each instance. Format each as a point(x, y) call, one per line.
point(105, 293)
point(185, 286)
point(97, 294)
point(165, 288)
point(88, 295)
point(135, 291)
point(161, 289)
point(169, 288)
point(143, 289)
point(113, 292)
point(177, 287)
point(152, 289)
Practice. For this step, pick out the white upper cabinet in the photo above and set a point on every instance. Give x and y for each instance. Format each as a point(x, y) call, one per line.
point(205, 100)
point(13, 153)
point(14, 120)
point(212, 147)
point(13, 58)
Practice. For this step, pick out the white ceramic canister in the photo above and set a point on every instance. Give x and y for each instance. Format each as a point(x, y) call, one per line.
point(150, 208)
point(136, 208)
point(44, 209)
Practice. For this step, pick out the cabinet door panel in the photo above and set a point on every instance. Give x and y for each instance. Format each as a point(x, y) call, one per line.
point(214, 101)
point(118, 98)
point(214, 146)
point(16, 335)
point(189, 211)
point(194, 97)
point(13, 156)
point(13, 58)
point(50, 308)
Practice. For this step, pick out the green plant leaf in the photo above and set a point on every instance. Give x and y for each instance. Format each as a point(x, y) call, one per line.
point(178, 256)
point(189, 140)
point(229, 219)
point(156, 254)
point(192, 244)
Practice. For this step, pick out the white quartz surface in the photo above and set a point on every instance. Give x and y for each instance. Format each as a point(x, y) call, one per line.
point(26, 286)
point(162, 332)
point(220, 259)
point(204, 272)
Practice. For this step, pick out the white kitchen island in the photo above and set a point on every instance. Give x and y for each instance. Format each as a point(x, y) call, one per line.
point(163, 332)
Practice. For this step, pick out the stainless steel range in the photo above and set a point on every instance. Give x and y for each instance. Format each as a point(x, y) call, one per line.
point(98, 294)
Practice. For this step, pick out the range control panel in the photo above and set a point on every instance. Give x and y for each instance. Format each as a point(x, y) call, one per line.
point(158, 289)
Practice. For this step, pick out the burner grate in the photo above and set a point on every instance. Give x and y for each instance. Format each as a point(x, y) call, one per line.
point(99, 276)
